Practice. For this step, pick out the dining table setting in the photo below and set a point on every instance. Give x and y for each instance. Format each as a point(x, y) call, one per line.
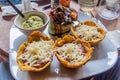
point(60, 40)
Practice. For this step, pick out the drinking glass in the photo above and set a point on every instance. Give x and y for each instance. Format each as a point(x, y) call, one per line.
point(87, 5)
point(27, 7)
point(109, 9)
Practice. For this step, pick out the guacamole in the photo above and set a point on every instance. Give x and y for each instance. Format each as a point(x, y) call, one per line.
point(33, 22)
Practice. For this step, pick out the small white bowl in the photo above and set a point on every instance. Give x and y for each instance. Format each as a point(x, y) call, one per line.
point(19, 21)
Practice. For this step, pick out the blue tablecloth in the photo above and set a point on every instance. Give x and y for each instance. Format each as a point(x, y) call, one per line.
point(112, 74)
point(5, 71)
point(4, 2)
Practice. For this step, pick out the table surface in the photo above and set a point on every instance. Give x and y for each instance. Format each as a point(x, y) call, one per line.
point(7, 22)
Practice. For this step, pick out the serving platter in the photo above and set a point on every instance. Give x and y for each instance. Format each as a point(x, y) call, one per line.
point(104, 57)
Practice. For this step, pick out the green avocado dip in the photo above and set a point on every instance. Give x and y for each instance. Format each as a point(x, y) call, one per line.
point(33, 22)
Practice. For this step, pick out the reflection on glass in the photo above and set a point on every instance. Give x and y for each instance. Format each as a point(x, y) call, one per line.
point(109, 9)
point(87, 5)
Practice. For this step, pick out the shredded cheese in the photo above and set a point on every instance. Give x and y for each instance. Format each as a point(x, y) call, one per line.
point(37, 53)
point(71, 52)
point(88, 33)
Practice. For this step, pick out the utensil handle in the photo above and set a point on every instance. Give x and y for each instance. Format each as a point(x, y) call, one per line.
point(16, 9)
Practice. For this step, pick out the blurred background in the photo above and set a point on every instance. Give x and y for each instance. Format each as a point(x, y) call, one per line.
point(4, 2)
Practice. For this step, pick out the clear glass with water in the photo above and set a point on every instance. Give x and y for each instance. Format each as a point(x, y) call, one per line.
point(109, 9)
point(87, 5)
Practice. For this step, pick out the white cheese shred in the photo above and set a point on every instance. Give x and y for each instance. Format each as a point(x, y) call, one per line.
point(88, 33)
point(37, 53)
point(72, 52)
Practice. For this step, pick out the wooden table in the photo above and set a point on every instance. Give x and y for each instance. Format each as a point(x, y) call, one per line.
point(7, 22)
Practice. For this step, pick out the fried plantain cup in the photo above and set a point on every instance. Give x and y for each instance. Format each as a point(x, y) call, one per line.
point(90, 24)
point(34, 36)
point(67, 62)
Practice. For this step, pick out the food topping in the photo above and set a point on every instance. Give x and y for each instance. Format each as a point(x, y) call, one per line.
point(71, 52)
point(63, 15)
point(37, 53)
point(88, 33)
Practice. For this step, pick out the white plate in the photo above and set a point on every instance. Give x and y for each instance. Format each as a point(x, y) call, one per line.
point(104, 57)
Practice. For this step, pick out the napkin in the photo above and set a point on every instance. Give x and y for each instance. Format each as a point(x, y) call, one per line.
point(9, 11)
point(114, 36)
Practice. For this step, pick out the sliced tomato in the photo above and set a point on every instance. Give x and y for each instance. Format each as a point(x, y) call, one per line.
point(65, 2)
